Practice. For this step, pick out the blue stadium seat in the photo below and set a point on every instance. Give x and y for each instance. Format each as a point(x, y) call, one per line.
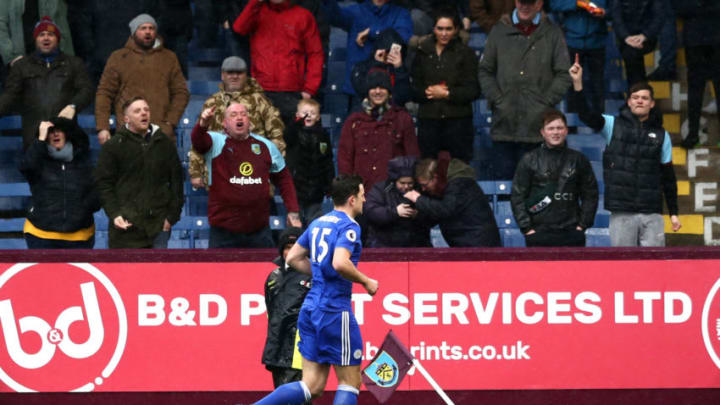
point(512, 238)
point(335, 77)
point(203, 73)
point(602, 219)
point(504, 216)
point(336, 104)
point(86, 122)
point(191, 113)
point(338, 38)
point(101, 240)
point(10, 122)
point(206, 56)
point(597, 237)
point(277, 222)
point(338, 54)
point(592, 153)
point(196, 201)
point(436, 238)
point(203, 87)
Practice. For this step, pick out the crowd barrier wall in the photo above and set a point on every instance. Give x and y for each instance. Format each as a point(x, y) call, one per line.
point(621, 325)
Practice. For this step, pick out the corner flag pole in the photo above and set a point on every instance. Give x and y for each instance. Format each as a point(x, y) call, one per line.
point(432, 382)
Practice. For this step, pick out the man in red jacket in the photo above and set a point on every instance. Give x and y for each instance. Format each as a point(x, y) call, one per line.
point(286, 52)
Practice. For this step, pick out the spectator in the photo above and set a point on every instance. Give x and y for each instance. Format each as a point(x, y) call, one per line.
point(310, 159)
point(455, 200)
point(176, 28)
point(445, 83)
point(238, 87)
point(586, 34)
point(393, 220)
point(667, 45)
point(285, 291)
point(364, 22)
point(701, 36)
point(286, 52)
point(140, 181)
point(100, 27)
point(18, 23)
point(58, 167)
point(143, 67)
point(242, 165)
point(486, 13)
point(45, 83)
point(637, 24)
point(240, 46)
point(523, 71)
point(375, 135)
point(388, 55)
point(554, 192)
point(637, 166)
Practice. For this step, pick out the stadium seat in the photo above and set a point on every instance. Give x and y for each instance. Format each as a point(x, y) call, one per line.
point(436, 238)
point(203, 87)
point(504, 216)
point(597, 237)
point(191, 113)
point(10, 122)
point(203, 73)
point(512, 238)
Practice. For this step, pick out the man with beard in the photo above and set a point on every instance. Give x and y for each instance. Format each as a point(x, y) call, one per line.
point(142, 68)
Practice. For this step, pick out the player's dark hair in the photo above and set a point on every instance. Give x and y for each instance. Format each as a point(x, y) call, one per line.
point(344, 186)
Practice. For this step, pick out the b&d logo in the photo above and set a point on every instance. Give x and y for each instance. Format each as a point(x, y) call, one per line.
point(63, 327)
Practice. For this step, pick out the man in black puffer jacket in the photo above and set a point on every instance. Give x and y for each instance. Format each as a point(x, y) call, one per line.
point(554, 192)
point(58, 167)
point(637, 166)
point(457, 203)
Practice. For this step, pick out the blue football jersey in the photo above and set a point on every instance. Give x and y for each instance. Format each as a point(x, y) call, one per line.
point(330, 291)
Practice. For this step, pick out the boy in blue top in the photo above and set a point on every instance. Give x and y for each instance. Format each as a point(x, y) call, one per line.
point(329, 334)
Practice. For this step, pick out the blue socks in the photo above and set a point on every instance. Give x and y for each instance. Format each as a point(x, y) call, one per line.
point(288, 394)
point(346, 395)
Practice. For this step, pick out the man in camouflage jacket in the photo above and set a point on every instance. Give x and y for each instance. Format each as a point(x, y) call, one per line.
point(238, 87)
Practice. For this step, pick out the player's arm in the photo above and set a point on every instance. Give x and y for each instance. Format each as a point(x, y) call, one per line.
point(298, 259)
point(344, 266)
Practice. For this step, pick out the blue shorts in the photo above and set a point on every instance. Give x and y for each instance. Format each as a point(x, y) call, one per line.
point(330, 337)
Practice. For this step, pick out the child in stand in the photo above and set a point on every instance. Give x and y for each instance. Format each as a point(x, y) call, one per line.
point(309, 158)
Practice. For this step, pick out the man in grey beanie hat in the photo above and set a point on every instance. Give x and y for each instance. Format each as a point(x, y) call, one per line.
point(144, 67)
point(139, 20)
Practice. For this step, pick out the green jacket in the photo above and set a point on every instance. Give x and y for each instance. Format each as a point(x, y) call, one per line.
point(12, 37)
point(142, 181)
point(523, 76)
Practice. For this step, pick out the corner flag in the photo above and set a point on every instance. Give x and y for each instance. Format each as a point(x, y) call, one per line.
point(388, 368)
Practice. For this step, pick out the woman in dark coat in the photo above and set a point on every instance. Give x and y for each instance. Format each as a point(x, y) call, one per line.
point(445, 83)
point(59, 169)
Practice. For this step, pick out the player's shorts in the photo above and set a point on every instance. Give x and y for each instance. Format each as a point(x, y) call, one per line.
point(330, 337)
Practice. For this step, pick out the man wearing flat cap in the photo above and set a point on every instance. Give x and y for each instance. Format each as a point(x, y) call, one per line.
point(523, 72)
point(378, 133)
point(45, 83)
point(144, 67)
point(238, 87)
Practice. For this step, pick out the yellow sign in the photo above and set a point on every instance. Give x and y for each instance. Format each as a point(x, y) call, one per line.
point(246, 169)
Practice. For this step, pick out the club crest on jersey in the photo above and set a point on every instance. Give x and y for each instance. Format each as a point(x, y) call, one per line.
point(323, 147)
point(255, 148)
point(246, 169)
point(383, 371)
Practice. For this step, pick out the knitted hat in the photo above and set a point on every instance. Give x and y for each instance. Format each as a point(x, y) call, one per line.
point(401, 166)
point(379, 78)
point(234, 64)
point(141, 19)
point(46, 24)
point(289, 235)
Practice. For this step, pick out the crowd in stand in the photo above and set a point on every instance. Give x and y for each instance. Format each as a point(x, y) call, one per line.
point(263, 125)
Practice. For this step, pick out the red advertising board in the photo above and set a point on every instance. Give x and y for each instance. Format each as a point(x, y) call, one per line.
point(473, 325)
